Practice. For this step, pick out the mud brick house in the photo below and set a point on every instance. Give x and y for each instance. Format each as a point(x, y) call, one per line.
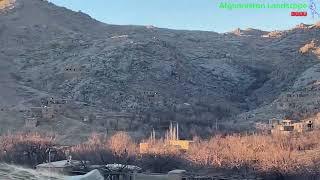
point(290, 126)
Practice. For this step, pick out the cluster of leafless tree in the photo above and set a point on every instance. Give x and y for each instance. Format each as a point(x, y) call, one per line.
point(285, 155)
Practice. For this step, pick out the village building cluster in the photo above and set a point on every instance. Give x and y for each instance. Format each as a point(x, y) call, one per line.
point(48, 110)
point(286, 126)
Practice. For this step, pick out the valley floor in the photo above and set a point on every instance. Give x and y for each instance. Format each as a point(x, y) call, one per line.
point(244, 155)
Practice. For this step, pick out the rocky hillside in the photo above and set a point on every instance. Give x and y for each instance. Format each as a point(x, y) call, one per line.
point(134, 78)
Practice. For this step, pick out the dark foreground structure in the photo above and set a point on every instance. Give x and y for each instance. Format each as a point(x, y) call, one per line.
point(77, 170)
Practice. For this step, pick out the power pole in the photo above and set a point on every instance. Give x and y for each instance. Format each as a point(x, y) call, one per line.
point(177, 131)
point(216, 124)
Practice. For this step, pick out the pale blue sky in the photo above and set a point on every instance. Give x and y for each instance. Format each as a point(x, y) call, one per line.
point(188, 14)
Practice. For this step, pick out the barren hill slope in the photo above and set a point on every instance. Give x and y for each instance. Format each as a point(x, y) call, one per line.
point(158, 75)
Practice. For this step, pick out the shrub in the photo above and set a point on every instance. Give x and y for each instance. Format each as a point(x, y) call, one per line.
point(264, 153)
point(280, 155)
point(121, 143)
point(27, 149)
point(119, 148)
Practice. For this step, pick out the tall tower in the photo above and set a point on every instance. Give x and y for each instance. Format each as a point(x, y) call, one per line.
point(173, 132)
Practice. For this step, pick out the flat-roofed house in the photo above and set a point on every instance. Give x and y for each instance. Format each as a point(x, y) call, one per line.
point(287, 126)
